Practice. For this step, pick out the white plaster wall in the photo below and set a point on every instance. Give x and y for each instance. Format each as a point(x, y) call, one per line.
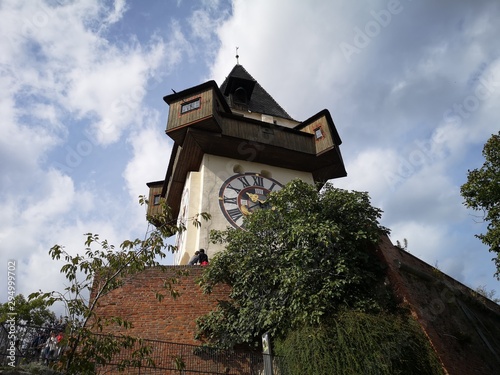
point(189, 244)
point(204, 197)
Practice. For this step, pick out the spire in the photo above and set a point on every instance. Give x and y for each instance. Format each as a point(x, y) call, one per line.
point(250, 92)
point(237, 56)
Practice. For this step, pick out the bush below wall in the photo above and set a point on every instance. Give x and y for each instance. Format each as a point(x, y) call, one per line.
point(358, 343)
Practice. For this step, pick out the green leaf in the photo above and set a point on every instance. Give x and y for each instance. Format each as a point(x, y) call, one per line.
point(293, 263)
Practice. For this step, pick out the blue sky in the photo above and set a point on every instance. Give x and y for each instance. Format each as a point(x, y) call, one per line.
point(412, 86)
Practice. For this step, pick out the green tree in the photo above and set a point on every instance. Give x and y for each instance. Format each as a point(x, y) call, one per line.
point(481, 192)
point(95, 273)
point(306, 257)
point(27, 312)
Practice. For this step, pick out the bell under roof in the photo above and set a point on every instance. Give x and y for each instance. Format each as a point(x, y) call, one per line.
point(259, 100)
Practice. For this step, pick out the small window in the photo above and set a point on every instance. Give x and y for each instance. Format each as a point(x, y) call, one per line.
point(318, 132)
point(156, 199)
point(190, 106)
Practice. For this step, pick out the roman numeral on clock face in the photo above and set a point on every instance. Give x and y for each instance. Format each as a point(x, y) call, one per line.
point(234, 214)
point(228, 200)
point(258, 181)
point(244, 181)
point(233, 188)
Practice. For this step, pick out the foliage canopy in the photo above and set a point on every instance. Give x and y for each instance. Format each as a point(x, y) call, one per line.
point(306, 257)
point(481, 192)
point(28, 312)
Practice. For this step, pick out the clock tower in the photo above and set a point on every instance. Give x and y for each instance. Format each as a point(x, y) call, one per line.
point(233, 145)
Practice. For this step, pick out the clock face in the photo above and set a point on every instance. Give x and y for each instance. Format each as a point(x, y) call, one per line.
point(242, 194)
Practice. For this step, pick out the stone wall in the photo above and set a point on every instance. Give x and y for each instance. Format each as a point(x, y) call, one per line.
point(463, 326)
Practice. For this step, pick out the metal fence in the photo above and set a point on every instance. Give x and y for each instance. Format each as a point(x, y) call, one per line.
point(174, 358)
point(17, 343)
point(166, 358)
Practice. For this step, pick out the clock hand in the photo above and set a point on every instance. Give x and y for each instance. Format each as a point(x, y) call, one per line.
point(245, 210)
point(254, 205)
point(253, 197)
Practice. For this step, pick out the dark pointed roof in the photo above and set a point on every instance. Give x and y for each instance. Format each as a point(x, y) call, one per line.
point(259, 100)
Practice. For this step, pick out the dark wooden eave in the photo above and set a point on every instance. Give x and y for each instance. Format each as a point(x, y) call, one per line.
point(249, 139)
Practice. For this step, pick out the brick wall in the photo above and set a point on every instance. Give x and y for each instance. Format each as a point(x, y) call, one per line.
point(464, 328)
point(168, 320)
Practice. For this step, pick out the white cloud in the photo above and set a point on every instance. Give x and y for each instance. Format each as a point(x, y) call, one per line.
point(119, 8)
point(22, 146)
point(370, 170)
point(61, 75)
point(177, 46)
point(151, 150)
point(424, 240)
point(83, 73)
point(58, 193)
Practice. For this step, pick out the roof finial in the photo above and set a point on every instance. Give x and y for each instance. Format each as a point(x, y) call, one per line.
point(237, 56)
